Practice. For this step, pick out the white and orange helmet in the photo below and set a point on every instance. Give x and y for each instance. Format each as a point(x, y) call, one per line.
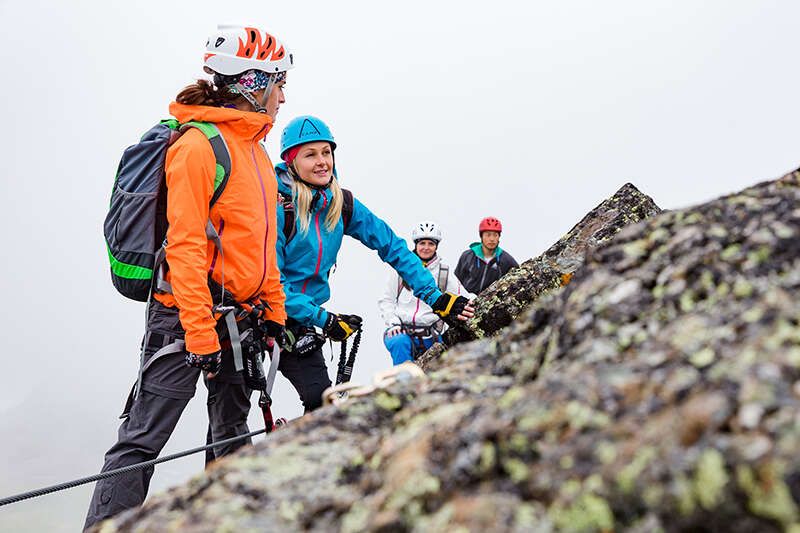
point(236, 49)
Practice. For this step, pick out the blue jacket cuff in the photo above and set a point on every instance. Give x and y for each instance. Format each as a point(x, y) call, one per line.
point(320, 318)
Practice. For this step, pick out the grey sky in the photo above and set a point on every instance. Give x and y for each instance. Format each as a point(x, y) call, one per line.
point(531, 112)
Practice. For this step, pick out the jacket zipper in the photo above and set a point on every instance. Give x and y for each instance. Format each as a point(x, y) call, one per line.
point(485, 271)
point(414, 316)
point(266, 219)
point(319, 239)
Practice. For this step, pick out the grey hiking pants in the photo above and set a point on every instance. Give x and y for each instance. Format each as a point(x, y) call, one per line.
point(166, 388)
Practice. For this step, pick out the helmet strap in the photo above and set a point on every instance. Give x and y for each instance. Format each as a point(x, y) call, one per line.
point(267, 92)
point(249, 97)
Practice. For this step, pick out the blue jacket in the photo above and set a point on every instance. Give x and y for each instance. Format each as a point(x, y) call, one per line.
point(306, 260)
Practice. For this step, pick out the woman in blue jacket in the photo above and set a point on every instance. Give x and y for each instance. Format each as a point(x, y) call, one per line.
point(307, 248)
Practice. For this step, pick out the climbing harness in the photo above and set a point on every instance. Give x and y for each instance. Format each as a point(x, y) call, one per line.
point(341, 393)
point(419, 334)
point(345, 371)
point(255, 378)
point(265, 400)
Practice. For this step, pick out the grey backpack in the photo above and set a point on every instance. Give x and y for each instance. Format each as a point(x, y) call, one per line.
point(136, 225)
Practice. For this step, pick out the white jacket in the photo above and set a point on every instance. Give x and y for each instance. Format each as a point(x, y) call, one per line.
point(407, 309)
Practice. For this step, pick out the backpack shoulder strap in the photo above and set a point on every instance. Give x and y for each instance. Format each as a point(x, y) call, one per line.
point(347, 207)
point(444, 272)
point(221, 154)
point(285, 201)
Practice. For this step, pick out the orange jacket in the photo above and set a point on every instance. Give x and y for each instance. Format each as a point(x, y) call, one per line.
point(244, 217)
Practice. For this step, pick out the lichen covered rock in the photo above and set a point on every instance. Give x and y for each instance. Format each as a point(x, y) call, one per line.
point(658, 391)
point(499, 304)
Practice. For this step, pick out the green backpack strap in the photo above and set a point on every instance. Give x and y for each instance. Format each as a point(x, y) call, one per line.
point(221, 154)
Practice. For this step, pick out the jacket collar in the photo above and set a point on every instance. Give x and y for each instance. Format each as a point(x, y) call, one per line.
point(477, 249)
point(430, 265)
point(244, 124)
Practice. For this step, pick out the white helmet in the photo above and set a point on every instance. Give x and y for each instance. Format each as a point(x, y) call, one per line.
point(236, 49)
point(427, 230)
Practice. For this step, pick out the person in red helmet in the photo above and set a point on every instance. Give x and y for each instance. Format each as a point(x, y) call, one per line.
point(485, 262)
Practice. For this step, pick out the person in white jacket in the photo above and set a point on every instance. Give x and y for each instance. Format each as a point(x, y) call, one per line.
point(411, 325)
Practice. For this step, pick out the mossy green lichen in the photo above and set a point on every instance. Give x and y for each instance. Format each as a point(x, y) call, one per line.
point(488, 458)
point(289, 510)
point(388, 402)
point(659, 291)
point(626, 478)
point(566, 462)
point(753, 314)
point(517, 470)
point(702, 358)
point(769, 497)
point(687, 301)
point(758, 256)
point(653, 495)
point(606, 452)
point(417, 485)
point(684, 495)
point(356, 519)
point(525, 517)
point(589, 513)
point(519, 443)
point(742, 288)
point(513, 395)
point(710, 479)
point(636, 249)
point(730, 252)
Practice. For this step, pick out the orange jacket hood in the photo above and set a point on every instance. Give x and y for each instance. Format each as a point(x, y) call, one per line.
point(245, 123)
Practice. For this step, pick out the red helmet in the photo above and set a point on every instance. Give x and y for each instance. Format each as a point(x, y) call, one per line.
point(490, 224)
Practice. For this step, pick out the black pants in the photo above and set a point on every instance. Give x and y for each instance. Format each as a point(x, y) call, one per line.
point(166, 388)
point(308, 375)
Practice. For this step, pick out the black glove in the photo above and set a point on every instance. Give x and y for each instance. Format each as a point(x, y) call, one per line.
point(209, 362)
point(449, 306)
point(308, 343)
point(339, 327)
point(276, 331)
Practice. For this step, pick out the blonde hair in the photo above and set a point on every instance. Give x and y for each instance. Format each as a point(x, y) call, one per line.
point(303, 194)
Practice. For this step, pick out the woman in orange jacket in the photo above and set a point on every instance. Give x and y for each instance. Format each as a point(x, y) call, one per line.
point(249, 70)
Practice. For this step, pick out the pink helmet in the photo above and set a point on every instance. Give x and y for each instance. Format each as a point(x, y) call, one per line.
point(490, 224)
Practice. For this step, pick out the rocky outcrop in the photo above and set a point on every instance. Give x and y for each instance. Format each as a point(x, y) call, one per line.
point(499, 304)
point(658, 390)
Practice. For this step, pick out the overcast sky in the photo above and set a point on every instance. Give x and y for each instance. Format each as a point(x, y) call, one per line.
point(532, 112)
